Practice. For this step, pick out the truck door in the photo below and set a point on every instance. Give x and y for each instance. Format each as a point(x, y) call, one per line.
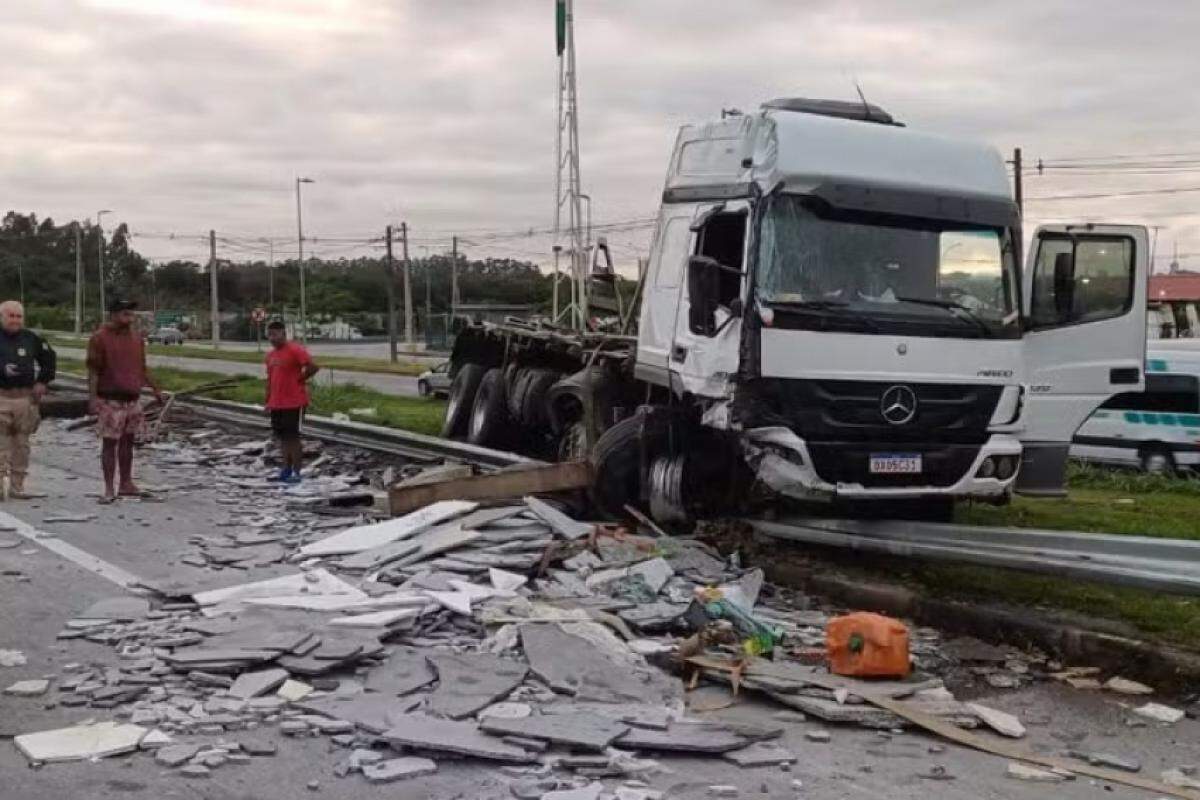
point(664, 275)
point(702, 359)
point(1085, 337)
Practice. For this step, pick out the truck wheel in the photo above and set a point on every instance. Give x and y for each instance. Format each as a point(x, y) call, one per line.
point(423, 388)
point(489, 415)
point(617, 460)
point(1158, 461)
point(534, 409)
point(462, 399)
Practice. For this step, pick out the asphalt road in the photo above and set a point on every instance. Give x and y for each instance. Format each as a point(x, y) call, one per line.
point(399, 385)
point(40, 590)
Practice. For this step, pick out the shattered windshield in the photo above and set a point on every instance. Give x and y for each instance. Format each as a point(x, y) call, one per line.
point(883, 268)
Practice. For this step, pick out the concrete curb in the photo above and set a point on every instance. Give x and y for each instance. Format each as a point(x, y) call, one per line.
point(1168, 669)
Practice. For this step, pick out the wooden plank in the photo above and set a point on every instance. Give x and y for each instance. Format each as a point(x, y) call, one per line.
point(946, 730)
point(538, 479)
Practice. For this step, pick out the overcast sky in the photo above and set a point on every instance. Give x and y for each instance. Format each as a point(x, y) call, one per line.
point(185, 115)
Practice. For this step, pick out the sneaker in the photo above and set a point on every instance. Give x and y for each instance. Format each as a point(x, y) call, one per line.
point(283, 475)
point(292, 478)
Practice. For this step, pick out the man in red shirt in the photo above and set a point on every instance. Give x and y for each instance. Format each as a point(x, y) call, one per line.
point(289, 366)
point(116, 365)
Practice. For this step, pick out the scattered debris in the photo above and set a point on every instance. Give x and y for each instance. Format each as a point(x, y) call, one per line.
point(1123, 686)
point(999, 721)
point(99, 740)
point(1024, 772)
point(29, 688)
point(1159, 713)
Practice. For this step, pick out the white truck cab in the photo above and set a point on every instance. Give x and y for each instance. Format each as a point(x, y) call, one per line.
point(846, 295)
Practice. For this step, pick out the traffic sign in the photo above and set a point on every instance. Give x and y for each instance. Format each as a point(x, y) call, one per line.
point(259, 315)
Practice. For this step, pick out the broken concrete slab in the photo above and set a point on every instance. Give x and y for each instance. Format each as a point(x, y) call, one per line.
point(253, 684)
point(560, 522)
point(80, 742)
point(458, 602)
point(1024, 772)
point(1002, 723)
point(367, 537)
point(760, 754)
point(1124, 686)
point(468, 683)
point(314, 583)
point(118, 609)
point(292, 690)
point(404, 671)
point(29, 688)
point(423, 732)
point(174, 755)
point(690, 737)
point(505, 581)
point(574, 728)
point(398, 769)
point(1159, 713)
point(575, 666)
point(371, 712)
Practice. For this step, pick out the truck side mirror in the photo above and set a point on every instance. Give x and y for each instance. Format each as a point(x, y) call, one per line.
point(1064, 285)
point(703, 286)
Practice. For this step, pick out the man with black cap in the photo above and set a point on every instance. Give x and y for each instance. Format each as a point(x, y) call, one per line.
point(27, 366)
point(116, 364)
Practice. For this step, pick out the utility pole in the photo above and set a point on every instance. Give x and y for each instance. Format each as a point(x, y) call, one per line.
point(408, 304)
point(1018, 186)
point(79, 279)
point(212, 283)
point(270, 273)
point(428, 297)
point(300, 255)
point(453, 281)
point(100, 259)
point(567, 182)
point(390, 275)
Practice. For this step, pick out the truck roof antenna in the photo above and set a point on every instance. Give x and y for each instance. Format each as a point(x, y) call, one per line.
point(863, 98)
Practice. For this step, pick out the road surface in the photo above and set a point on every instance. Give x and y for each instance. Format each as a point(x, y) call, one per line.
point(397, 385)
point(40, 589)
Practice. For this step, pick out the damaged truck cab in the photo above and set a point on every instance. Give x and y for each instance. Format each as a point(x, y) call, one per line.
point(835, 306)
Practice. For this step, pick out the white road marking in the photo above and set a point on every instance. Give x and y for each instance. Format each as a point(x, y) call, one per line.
point(126, 580)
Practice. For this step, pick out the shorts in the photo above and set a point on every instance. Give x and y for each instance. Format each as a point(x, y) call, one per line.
point(285, 422)
point(119, 418)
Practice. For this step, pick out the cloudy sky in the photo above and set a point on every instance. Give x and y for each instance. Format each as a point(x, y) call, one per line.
point(185, 115)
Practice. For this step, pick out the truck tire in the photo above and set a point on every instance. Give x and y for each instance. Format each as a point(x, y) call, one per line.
point(461, 400)
point(617, 460)
point(534, 408)
point(1158, 461)
point(515, 394)
point(489, 414)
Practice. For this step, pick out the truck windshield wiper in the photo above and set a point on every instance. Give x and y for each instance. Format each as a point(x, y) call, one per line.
point(957, 310)
point(831, 307)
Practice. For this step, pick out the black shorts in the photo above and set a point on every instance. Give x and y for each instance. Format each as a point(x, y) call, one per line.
point(285, 422)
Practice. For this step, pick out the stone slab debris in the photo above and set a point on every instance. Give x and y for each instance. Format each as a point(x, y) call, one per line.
point(1125, 686)
point(1109, 760)
point(691, 737)
point(175, 755)
point(1159, 713)
point(254, 684)
point(459, 602)
point(564, 525)
point(431, 733)
point(80, 742)
point(999, 721)
point(257, 747)
point(398, 769)
point(575, 666)
point(1179, 779)
point(29, 688)
point(381, 620)
point(118, 609)
point(291, 690)
point(195, 771)
point(404, 671)
point(366, 537)
point(468, 683)
point(507, 711)
point(505, 581)
point(305, 585)
point(12, 658)
point(580, 729)
point(1023, 772)
point(371, 712)
point(760, 754)
point(590, 792)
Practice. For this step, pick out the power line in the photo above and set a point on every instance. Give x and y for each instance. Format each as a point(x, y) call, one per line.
point(1132, 193)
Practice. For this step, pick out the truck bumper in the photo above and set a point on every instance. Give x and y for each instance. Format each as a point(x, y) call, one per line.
point(789, 465)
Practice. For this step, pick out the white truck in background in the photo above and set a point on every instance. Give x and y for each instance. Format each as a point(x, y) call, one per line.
point(834, 307)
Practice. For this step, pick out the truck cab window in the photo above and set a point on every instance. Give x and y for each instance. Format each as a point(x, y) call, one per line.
point(723, 238)
point(1082, 279)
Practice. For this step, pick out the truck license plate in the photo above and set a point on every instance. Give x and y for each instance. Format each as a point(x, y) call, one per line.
point(895, 463)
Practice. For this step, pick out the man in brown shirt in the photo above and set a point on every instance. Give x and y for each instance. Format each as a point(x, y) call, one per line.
point(116, 364)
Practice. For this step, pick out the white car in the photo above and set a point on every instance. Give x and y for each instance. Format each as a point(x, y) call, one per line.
point(1156, 430)
point(167, 335)
point(435, 381)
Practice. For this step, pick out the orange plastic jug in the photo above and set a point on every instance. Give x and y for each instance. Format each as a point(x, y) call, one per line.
point(868, 645)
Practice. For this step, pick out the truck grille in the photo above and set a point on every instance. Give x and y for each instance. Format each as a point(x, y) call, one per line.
point(850, 411)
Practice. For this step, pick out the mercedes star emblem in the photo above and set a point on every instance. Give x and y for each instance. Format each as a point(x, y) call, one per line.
point(898, 405)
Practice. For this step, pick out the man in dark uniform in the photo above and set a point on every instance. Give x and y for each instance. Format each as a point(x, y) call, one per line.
point(27, 365)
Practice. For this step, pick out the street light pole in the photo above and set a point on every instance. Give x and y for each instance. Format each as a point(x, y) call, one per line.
point(300, 251)
point(100, 259)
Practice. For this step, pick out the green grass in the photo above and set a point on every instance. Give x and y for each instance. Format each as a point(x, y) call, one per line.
point(251, 357)
point(417, 414)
